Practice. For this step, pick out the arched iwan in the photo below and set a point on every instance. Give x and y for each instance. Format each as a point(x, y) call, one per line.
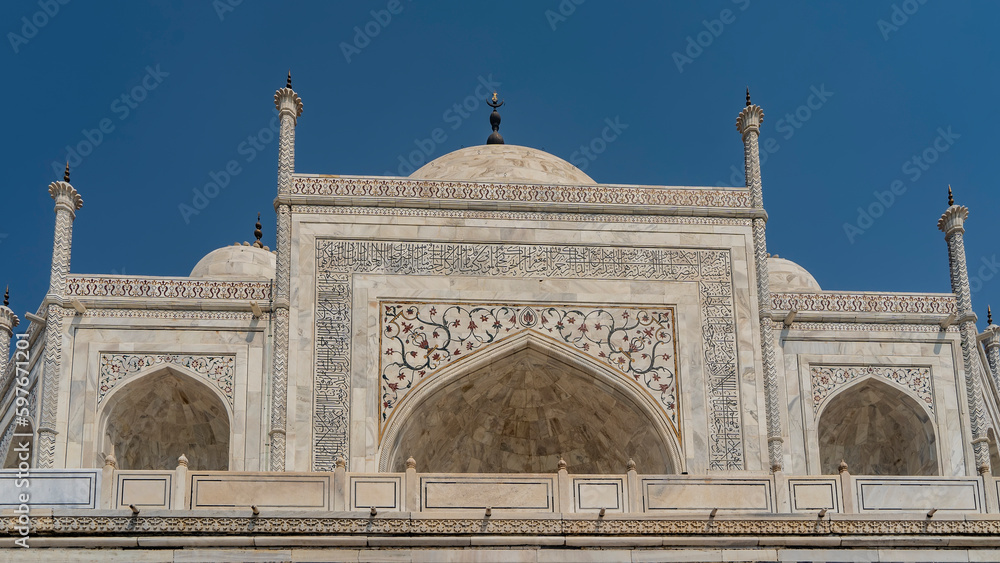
point(522, 403)
point(154, 417)
point(878, 429)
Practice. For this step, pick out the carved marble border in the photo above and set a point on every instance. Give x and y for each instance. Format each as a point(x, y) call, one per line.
point(417, 340)
point(874, 327)
point(159, 288)
point(828, 379)
point(383, 187)
point(219, 370)
point(337, 260)
point(174, 314)
point(836, 302)
point(42, 525)
point(519, 215)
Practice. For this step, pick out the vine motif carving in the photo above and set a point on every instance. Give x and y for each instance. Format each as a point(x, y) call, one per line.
point(337, 260)
point(166, 288)
point(116, 368)
point(417, 339)
point(827, 379)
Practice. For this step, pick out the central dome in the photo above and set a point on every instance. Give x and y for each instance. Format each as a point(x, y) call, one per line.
point(502, 163)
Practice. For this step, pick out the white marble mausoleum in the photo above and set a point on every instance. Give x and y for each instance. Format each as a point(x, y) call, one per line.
point(498, 358)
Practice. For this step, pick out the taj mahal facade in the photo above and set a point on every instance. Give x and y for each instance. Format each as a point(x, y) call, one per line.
point(497, 358)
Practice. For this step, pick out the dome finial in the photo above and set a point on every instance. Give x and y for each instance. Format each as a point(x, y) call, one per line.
point(748, 96)
point(66, 173)
point(288, 84)
point(257, 233)
point(989, 313)
point(495, 138)
point(6, 297)
point(951, 200)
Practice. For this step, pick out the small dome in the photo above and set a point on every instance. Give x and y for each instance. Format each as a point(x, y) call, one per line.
point(239, 262)
point(502, 163)
point(787, 276)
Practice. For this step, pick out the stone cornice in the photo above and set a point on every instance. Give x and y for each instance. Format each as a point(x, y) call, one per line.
point(603, 199)
point(934, 306)
point(166, 288)
point(81, 524)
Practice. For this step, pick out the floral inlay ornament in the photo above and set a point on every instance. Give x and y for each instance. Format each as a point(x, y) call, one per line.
point(419, 338)
point(827, 379)
point(116, 368)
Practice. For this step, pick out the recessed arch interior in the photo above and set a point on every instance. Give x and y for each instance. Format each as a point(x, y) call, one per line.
point(520, 412)
point(878, 430)
point(151, 420)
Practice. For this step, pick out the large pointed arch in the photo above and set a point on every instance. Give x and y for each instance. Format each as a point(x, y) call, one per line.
point(878, 429)
point(155, 416)
point(519, 405)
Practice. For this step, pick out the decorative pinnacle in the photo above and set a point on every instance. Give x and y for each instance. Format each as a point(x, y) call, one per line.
point(495, 138)
point(257, 233)
point(989, 312)
point(288, 84)
point(66, 173)
point(748, 96)
point(951, 200)
point(6, 297)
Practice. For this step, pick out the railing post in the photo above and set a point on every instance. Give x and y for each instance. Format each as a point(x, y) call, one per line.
point(340, 485)
point(411, 488)
point(634, 493)
point(180, 483)
point(782, 501)
point(847, 489)
point(564, 487)
point(108, 481)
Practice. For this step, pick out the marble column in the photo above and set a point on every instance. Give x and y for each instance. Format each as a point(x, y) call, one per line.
point(952, 224)
point(289, 106)
point(991, 341)
point(8, 320)
point(748, 124)
point(68, 202)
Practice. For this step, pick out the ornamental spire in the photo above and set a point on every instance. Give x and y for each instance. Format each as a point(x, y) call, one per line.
point(989, 315)
point(748, 97)
point(6, 297)
point(66, 173)
point(288, 84)
point(495, 138)
point(951, 200)
point(257, 233)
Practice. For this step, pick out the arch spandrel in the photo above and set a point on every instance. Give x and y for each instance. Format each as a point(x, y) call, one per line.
point(879, 429)
point(538, 401)
point(420, 340)
point(151, 419)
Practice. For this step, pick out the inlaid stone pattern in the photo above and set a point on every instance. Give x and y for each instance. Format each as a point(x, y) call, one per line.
point(827, 379)
point(417, 339)
point(116, 368)
point(520, 193)
point(166, 288)
point(336, 260)
point(864, 303)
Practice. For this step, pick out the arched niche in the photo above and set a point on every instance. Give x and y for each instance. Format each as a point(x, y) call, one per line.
point(150, 420)
point(878, 430)
point(521, 407)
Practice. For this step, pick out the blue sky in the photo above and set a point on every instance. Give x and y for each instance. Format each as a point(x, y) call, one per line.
point(852, 93)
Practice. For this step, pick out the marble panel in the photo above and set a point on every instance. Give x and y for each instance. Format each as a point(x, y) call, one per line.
point(670, 493)
point(815, 493)
point(596, 493)
point(281, 490)
point(894, 494)
point(144, 489)
point(52, 488)
point(513, 493)
point(382, 492)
